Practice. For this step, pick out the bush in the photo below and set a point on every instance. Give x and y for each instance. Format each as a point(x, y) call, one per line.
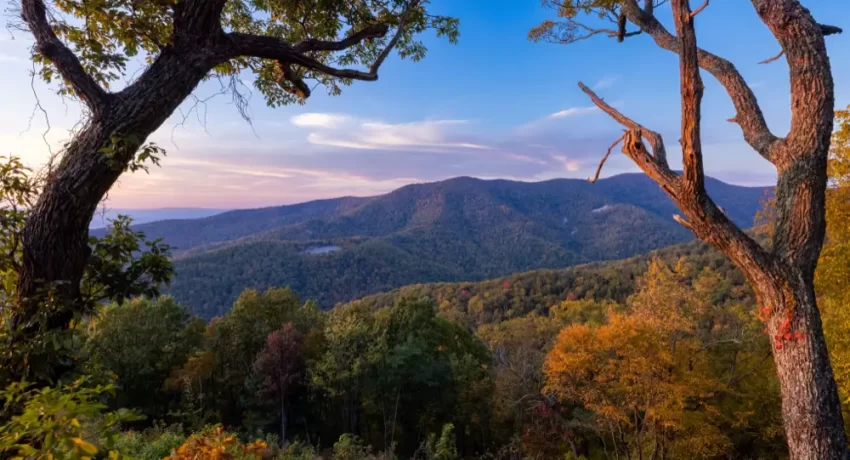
point(69, 422)
point(152, 444)
point(214, 442)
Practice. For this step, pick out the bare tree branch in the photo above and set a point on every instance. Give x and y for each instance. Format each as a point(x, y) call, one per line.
point(704, 218)
point(699, 10)
point(749, 114)
point(604, 159)
point(34, 14)
point(659, 152)
point(633, 145)
point(769, 60)
point(830, 30)
point(691, 89)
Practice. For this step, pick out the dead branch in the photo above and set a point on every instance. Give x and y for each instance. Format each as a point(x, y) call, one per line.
point(769, 60)
point(604, 159)
point(699, 10)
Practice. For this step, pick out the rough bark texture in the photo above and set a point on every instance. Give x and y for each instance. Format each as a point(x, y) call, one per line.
point(783, 277)
point(55, 237)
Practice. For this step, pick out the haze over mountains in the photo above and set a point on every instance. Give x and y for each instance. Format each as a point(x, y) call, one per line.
point(461, 229)
point(143, 216)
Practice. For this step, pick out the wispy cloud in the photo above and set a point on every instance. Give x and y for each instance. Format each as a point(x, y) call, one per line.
point(574, 111)
point(343, 131)
point(568, 164)
point(320, 120)
point(605, 82)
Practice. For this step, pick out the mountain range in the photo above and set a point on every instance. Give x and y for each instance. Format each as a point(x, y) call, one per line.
point(461, 229)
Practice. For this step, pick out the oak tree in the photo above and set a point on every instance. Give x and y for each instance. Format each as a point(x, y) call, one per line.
point(782, 276)
point(85, 46)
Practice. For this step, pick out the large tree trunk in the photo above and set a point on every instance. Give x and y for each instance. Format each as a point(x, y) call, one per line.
point(55, 237)
point(810, 405)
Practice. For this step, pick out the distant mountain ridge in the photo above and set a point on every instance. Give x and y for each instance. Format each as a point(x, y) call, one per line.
point(102, 218)
point(461, 229)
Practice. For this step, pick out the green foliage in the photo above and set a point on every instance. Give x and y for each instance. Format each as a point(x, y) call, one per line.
point(114, 32)
point(296, 451)
point(69, 422)
point(350, 447)
point(442, 447)
point(123, 265)
point(140, 343)
point(18, 192)
point(154, 443)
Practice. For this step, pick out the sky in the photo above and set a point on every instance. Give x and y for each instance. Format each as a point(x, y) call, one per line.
point(493, 106)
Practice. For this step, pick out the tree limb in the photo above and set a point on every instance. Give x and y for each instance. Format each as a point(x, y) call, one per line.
point(604, 159)
point(402, 25)
point(34, 14)
point(769, 60)
point(830, 30)
point(312, 44)
point(750, 117)
point(197, 19)
point(691, 89)
point(633, 147)
point(704, 218)
point(301, 88)
point(265, 47)
point(699, 10)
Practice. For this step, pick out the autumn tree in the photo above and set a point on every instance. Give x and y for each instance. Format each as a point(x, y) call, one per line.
point(783, 275)
point(280, 364)
point(646, 389)
point(289, 47)
point(833, 270)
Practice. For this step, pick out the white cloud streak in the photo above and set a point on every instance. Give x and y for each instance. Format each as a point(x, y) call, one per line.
point(351, 133)
point(574, 111)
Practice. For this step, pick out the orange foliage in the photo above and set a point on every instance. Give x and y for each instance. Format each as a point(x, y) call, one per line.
point(216, 444)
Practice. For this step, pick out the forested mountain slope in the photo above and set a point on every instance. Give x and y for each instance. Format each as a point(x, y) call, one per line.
point(462, 229)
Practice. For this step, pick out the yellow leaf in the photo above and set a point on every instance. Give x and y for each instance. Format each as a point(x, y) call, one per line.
point(85, 446)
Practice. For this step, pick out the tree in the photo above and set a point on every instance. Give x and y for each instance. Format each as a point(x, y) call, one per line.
point(281, 365)
point(833, 270)
point(121, 265)
point(183, 42)
point(140, 343)
point(641, 383)
point(782, 276)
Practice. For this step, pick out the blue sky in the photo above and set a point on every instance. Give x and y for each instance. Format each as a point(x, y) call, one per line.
point(495, 105)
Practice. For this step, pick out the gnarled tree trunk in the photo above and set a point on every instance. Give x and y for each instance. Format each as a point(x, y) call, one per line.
point(782, 276)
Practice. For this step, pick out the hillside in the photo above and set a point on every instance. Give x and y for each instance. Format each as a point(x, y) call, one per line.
point(461, 229)
point(475, 304)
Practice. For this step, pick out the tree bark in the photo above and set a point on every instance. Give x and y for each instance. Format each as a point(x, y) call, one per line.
point(282, 417)
point(811, 407)
point(55, 237)
point(782, 276)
